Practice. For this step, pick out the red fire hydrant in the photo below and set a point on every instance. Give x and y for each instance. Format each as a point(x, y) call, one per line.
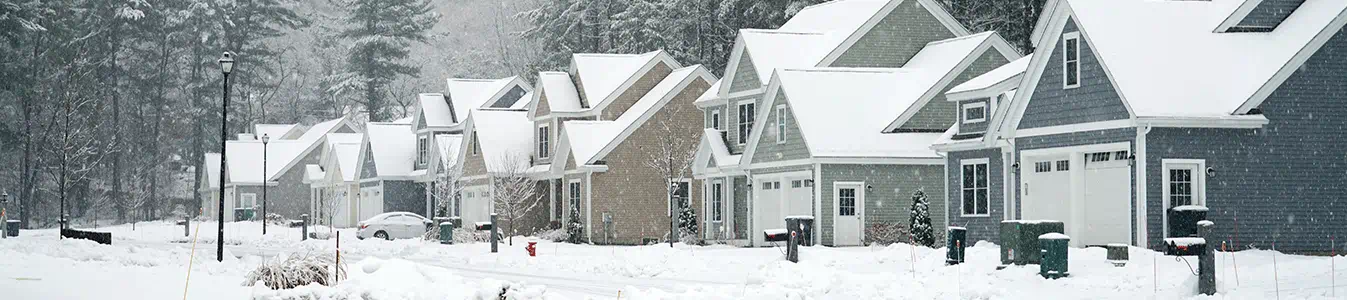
point(533, 250)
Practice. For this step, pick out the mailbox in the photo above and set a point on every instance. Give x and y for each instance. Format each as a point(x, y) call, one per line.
point(483, 225)
point(776, 235)
point(1185, 246)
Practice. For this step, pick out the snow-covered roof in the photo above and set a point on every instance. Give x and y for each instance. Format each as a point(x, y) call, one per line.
point(435, 110)
point(842, 16)
point(560, 91)
point(719, 151)
point(773, 49)
point(589, 138)
point(344, 138)
point(317, 131)
point(996, 76)
point(393, 146)
point(939, 61)
point(276, 131)
point(841, 112)
point(313, 173)
point(524, 101)
point(348, 160)
point(710, 94)
point(213, 169)
point(245, 159)
point(467, 94)
point(448, 146)
point(504, 136)
point(1173, 64)
point(602, 74)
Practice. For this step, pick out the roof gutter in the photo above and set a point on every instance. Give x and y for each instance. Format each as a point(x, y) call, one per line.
point(1234, 121)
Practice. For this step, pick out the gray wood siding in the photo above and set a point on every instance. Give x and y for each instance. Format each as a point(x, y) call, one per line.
point(894, 39)
point(1094, 100)
point(768, 150)
point(741, 197)
point(975, 127)
point(1283, 182)
point(367, 168)
point(732, 124)
point(979, 228)
point(939, 114)
point(745, 75)
point(1270, 13)
point(1074, 139)
point(890, 199)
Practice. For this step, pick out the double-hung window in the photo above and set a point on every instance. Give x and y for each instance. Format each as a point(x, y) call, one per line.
point(1071, 60)
point(715, 119)
point(781, 124)
point(422, 150)
point(974, 187)
point(543, 139)
point(746, 110)
point(717, 200)
point(574, 189)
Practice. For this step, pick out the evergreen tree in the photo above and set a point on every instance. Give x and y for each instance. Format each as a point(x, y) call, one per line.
point(687, 222)
point(920, 221)
point(575, 231)
point(382, 32)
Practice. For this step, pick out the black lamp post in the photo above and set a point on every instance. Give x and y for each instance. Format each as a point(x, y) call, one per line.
point(4, 200)
point(265, 139)
point(226, 66)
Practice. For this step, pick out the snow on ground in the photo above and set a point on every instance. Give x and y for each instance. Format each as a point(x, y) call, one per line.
point(151, 261)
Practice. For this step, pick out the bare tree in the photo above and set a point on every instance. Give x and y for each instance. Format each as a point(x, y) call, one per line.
point(673, 162)
point(515, 194)
point(447, 189)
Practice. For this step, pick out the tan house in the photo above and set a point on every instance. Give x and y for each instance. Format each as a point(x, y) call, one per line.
point(496, 146)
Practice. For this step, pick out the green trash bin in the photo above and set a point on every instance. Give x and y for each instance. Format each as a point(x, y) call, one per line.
point(955, 244)
point(446, 232)
point(1054, 246)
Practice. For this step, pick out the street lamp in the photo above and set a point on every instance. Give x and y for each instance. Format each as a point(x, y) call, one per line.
point(226, 66)
point(265, 139)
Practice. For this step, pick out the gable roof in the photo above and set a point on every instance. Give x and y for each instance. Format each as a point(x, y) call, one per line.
point(841, 15)
point(524, 102)
point(504, 136)
point(466, 94)
point(276, 131)
point(1008, 73)
point(603, 75)
point(560, 91)
point(434, 110)
point(840, 112)
point(1174, 65)
point(212, 161)
point(344, 155)
point(772, 49)
point(710, 94)
point(393, 146)
point(941, 61)
point(448, 145)
point(317, 131)
point(590, 141)
point(245, 159)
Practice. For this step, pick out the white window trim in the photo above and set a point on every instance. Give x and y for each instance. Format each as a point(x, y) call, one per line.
point(966, 107)
point(715, 119)
point(572, 202)
point(739, 112)
point(1199, 185)
point(711, 195)
point(985, 172)
point(668, 197)
point(472, 143)
point(422, 150)
point(252, 203)
point(780, 123)
point(544, 141)
point(1067, 37)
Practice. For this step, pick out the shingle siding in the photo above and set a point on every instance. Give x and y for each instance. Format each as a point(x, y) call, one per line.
point(895, 38)
point(975, 127)
point(768, 149)
point(405, 195)
point(1094, 100)
point(979, 228)
point(1284, 181)
point(939, 114)
point(890, 199)
point(745, 75)
point(1270, 13)
point(638, 89)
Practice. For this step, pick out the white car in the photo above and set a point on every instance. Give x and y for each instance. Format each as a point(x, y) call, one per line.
point(394, 225)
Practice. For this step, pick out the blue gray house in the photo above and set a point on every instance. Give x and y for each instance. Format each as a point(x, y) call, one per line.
point(1232, 105)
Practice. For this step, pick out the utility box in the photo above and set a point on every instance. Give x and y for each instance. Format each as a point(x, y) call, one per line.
point(1019, 240)
point(1054, 250)
point(803, 227)
point(955, 243)
point(446, 232)
point(1117, 254)
point(1183, 220)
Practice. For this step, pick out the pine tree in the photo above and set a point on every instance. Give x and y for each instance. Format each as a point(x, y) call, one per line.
point(687, 222)
point(575, 231)
point(920, 221)
point(382, 32)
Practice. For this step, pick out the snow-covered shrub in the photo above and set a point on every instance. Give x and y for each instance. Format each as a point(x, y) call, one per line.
point(687, 223)
point(277, 219)
point(884, 233)
point(555, 235)
point(920, 221)
point(575, 231)
point(287, 272)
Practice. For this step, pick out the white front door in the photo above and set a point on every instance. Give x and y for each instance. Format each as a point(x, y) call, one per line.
point(848, 213)
point(1106, 205)
point(1046, 189)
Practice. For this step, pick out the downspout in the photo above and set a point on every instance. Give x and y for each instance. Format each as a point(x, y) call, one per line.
point(817, 235)
point(589, 206)
point(1140, 175)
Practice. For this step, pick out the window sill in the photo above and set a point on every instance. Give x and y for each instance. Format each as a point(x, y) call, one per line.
point(976, 216)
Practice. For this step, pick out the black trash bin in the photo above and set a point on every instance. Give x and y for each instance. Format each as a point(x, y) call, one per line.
point(957, 241)
point(1183, 220)
point(803, 227)
point(12, 227)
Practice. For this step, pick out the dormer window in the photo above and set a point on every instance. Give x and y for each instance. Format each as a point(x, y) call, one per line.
point(975, 112)
point(544, 136)
point(422, 150)
point(1071, 60)
point(715, 119)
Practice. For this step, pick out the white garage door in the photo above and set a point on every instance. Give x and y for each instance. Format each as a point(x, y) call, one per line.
point(1107, 207)
point(1047, 189)
point(775, 198)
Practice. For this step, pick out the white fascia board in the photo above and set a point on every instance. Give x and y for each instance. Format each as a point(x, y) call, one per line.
point(660, 57)
point(697, 73)
point(732, 65)
point(1294, 64)
point(972, 144)
point(930, 93)
point(1241, 121)
point(1237, 16)
point(1053, 21)
point(1071, 128)
point(1044, 19)
point(991, 91)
